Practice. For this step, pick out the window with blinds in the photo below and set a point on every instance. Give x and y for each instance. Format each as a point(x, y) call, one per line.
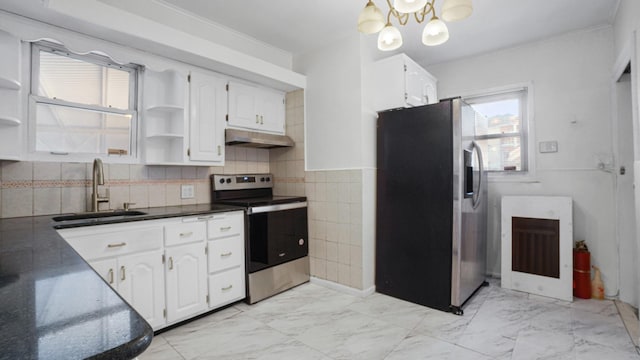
point(83, 103)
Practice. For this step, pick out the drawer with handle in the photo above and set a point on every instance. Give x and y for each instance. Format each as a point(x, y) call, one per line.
point(111, 243)
point(226, 287)
point(184, 232)
point(225, 253)
point(227, 224)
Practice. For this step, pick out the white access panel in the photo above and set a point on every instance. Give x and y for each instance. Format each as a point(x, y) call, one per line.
point(539, 207)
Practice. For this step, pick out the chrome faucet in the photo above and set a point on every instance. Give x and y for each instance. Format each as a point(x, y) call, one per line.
point(97, 179)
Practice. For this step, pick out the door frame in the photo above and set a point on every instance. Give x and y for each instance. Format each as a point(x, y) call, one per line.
point(628, 55)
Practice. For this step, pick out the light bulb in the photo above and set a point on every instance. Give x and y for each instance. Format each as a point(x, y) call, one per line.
point(435, 32)
point(389, 38)
point(409, 6)
point(371, 19)
point(454, 10)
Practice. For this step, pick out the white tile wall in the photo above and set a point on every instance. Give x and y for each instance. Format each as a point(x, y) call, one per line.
point(335, 218)
point(39, 188)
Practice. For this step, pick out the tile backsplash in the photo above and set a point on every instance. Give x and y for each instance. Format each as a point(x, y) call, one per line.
point(42, 188)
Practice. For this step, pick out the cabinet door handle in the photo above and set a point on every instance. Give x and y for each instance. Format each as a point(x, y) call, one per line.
point(225, 228)
point(110, 276)
point(202, 218)
point(261, 119)
point(219, 150)
point(226, 288)
point(117, 245)
point(122, 273)
point(170, 263)
point(226, 254)
point(185, 234)
point(257, 119)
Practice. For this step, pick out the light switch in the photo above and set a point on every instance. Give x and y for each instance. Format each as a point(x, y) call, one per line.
point(548, 146)
point(186, 192)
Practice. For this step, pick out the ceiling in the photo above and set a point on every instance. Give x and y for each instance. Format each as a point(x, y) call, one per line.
point(298, 26)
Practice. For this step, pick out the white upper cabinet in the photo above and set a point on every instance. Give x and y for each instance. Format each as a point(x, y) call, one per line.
point(398, 82)
point(256, 108)
point(184, 118)
point(207, 111)
point(11, 88)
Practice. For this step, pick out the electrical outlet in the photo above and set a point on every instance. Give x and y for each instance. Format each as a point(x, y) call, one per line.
point(548, 146)
point(186, 192)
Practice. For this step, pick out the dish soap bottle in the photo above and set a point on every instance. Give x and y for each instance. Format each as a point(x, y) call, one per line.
point(597, 287)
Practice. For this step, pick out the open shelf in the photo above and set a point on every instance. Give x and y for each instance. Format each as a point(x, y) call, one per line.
point(165, 136)
point(171, 108)
point(9, 121)
point(10, 84)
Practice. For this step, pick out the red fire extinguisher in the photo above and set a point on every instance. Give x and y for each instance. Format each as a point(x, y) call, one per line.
point(581, 271)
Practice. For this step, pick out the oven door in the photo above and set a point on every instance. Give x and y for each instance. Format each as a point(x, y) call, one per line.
point(277, 234)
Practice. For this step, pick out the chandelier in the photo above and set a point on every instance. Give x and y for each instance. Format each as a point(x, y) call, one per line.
point(371, 20)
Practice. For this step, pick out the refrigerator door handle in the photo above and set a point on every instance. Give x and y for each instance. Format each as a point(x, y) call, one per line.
point(477, 195)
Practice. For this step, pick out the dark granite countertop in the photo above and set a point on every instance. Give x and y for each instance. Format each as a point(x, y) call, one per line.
point(54, 306)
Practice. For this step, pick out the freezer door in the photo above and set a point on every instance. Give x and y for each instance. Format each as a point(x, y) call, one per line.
point(470, 212)
point(414, 205)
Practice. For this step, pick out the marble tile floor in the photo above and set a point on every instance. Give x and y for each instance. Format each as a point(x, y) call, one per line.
point(313, 322)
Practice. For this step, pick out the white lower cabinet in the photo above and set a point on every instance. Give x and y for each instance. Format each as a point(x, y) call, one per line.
point(226, 287)
point(106, 268)
point(168, 270)
point(140, 283)
point(186, 270)
point(226, 258)
point(129, 258)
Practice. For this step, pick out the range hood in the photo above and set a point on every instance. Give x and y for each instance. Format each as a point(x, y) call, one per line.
point(234, 137)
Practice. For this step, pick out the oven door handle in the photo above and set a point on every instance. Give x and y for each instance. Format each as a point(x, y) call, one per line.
point(277, 207)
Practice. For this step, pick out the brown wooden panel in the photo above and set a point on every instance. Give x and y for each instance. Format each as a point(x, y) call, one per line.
point(535, 246)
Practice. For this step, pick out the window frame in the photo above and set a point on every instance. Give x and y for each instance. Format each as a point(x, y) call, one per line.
point(96, 58)
point(526, 132)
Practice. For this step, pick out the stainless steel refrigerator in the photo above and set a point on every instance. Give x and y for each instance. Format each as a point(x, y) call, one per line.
point(431, 226)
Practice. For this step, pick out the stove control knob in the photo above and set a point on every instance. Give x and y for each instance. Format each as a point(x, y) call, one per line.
point(228, 180)
point(261, 179)
point(221, 181)
point(268, 179)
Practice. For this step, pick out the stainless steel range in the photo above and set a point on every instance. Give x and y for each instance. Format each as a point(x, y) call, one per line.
point(276, 233)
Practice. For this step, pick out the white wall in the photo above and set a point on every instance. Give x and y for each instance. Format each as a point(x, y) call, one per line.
point(571, 77)
point(333, 110)
point(341, 127)
point(181, 20)
point(369, 119)
point(626, 21)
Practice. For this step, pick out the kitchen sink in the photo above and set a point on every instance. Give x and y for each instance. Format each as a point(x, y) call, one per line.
point(98, 215)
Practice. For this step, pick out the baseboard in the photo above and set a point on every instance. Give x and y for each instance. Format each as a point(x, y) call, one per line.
point(630, 320)
point(343, 288)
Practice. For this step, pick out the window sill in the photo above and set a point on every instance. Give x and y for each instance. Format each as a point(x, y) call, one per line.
point(513, 178)
point(82, 158)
